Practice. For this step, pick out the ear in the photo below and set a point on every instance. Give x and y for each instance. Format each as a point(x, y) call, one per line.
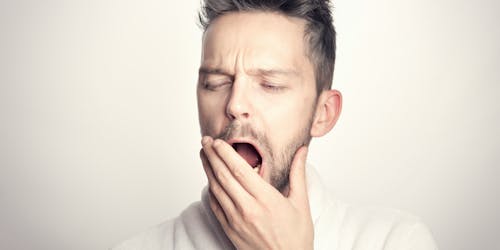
point(327, 112)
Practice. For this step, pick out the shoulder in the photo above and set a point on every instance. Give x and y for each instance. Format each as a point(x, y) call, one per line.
point(341, 226)
point(368, 227)
point(150, 239)
point(161, 236)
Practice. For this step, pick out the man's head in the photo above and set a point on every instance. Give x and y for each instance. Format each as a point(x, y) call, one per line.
point(265, 78)
point(319, 32)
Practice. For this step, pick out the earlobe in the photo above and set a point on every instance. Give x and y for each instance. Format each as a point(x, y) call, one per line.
point(327, 112)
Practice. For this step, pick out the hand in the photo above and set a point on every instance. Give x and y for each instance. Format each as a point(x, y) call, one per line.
point(254, 214)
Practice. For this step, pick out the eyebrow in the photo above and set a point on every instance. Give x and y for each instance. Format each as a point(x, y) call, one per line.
point(213, 71)
point(261, 72)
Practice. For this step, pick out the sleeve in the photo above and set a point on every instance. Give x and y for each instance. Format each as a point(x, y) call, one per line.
point(410, 236)
point(156, 238)
point(420, 238)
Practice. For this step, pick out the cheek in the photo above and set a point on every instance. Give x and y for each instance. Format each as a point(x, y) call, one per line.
point(211, 115)
point(285, 120)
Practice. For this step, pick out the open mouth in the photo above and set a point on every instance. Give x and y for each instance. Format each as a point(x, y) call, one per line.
point(248, 152)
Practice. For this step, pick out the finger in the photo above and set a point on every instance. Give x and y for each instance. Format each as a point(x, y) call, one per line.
point(218, 212)
point(223, 219)
point(298, 186)
point(239, 196)
point(242, 172)
point(215, 188)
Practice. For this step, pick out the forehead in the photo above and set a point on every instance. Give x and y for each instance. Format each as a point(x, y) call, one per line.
point(250, 40)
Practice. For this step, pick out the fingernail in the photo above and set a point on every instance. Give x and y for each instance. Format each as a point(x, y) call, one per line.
point(205, 140)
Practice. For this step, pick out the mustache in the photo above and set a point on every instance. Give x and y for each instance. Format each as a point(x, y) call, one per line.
point(238, 129)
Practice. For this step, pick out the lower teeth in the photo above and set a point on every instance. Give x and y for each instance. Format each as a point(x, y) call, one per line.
point(256, 169)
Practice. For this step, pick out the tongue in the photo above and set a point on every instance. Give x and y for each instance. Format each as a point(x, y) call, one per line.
point(248, 153)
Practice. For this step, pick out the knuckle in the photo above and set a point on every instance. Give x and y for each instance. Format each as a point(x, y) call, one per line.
point(221, 176)
point(237, 172)
point(250, 216)
point(233, 224)
point(215, 189)
point(241, 228)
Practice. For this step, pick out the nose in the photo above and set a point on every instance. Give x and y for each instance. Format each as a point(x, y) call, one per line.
point(238, 105)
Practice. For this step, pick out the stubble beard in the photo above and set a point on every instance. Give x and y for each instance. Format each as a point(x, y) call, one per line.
point(278, 161)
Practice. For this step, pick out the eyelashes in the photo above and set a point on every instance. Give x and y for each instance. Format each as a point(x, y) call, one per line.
point(270, 87)
point(222, 85)
point(216, 86)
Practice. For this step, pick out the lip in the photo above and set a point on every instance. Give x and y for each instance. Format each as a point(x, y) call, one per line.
point(255, 145)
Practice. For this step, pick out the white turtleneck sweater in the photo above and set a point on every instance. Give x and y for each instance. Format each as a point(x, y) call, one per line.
point(337, 226)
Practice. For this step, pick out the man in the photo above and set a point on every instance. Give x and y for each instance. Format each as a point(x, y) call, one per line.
point(264, 91)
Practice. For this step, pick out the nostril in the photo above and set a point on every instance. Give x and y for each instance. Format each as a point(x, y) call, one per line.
point(231, 115)
point(235, 111)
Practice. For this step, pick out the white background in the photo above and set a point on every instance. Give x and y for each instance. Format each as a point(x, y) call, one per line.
point(99, 135)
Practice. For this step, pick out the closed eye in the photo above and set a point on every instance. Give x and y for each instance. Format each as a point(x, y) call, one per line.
point(272, 87)
point(216, 86)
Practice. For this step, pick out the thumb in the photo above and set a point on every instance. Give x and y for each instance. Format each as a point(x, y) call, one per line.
point(298, 186)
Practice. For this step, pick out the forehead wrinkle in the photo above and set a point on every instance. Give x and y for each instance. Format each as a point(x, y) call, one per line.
point(255, 62)
point(239, 62)
point(269, 72)
point(248, 62)
point(217, 63)
point(251, 56)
